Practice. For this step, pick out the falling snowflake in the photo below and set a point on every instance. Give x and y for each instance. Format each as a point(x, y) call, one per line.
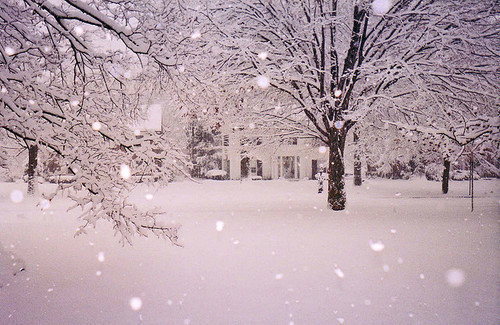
point(196, 34)
point(262, 55)
point(135, 303)
point(455, 277)
point(9, 50)
point(278, 276)
point(338, 93)
point(381, 7)
point(386, 268)
point(96, 126)
point(98, 273)
point(100, 257)
point(422, 276)
point(251, 125)
point(377, 246)
point(31, 102)
point(16, 196)
point(4, 90)
point(78, 30)
point(125, 171)
point(182, 68)
point(148, 196)
point(44, 204)
point(262, 81)
point(339, 272)
point(219, 225)
point(322, 149)
point(339, 124)
point(74, 103)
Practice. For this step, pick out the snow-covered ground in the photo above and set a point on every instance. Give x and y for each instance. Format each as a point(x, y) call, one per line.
point(261, 252)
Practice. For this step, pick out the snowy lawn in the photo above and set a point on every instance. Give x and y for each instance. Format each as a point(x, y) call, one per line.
point(261, 252)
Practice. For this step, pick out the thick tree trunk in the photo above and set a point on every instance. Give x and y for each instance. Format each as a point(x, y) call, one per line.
point(446, 176)
point(336, 183)
point(357, 162)
point(32, 163)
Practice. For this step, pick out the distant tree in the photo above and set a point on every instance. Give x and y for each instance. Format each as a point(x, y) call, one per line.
point(203, 147)
point(454, 102)
point(460, 121)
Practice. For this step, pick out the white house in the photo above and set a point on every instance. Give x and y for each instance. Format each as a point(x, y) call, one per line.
point(247, 157)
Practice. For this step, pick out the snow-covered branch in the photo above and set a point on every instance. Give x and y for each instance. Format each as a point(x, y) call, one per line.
point(75, 91)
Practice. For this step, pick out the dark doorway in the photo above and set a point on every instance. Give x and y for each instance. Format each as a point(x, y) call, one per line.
point(245, 162)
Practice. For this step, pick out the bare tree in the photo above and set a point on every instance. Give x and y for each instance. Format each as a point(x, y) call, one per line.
point(338, 61)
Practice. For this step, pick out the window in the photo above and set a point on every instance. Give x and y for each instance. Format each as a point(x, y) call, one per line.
point(250, 141)
point(226, 140)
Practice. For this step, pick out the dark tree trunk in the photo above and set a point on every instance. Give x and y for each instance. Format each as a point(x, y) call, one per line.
point(446, 176)
point(32, 163)
point(336, 183)
point(357, 162)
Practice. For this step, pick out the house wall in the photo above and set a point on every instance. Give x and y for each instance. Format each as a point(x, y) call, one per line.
point(267, 168)
point(235, 165)
point(306, 165)
point(305, 154)
point(272, 162)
